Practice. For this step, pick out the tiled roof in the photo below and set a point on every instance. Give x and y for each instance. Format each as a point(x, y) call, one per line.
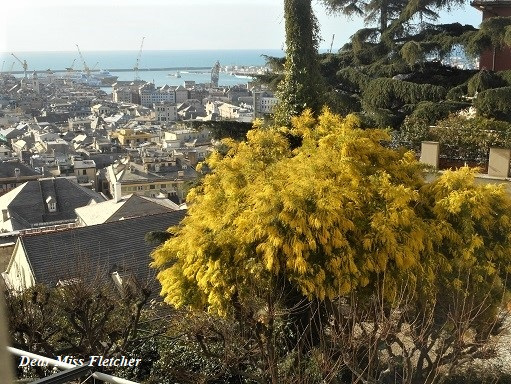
point(132, 206)
point(26, 203)
point(7, 169)
point(97, 251)
point(139, 206)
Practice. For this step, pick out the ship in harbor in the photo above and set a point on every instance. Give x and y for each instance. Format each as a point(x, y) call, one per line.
point(176, 74)
point(91, 77)
point(94, 79)
point(105, 77)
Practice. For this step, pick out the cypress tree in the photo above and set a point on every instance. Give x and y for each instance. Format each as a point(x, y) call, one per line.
point(302, 87)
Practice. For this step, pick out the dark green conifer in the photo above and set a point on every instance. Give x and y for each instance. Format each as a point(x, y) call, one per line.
point(302, 87)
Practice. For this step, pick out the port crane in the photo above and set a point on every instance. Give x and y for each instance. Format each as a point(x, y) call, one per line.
point(71, 67)
point(3, 66)
point(85, 66)
point(23, 64)
point(135, 68)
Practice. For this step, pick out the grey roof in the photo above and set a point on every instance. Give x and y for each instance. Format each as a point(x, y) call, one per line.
point(69, 136)
point(7, 169)
point(167, 173)
point(56, 118)
point(131, 206)
point(97, 251)
point(11, 133)
point(27, 203)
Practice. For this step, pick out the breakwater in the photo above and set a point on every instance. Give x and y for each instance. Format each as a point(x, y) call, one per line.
point(191, 69)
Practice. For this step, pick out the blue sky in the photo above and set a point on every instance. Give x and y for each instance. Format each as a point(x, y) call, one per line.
point(57, 25)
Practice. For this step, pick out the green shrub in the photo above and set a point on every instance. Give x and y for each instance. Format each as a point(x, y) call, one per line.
point(482, 81)
point(494, 103)
point(457, 93)
point(352, 79)
point(431, 112)
point(391, 93)
point(471, 139)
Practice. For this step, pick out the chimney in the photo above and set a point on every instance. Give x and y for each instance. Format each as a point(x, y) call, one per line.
point(5, 215)
point(117, 192)
point(16, 172)
point(192, 156)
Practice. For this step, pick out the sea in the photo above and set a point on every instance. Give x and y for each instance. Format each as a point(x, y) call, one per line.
point(159, 67)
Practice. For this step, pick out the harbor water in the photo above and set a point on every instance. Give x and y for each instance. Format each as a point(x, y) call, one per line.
point(160, 67)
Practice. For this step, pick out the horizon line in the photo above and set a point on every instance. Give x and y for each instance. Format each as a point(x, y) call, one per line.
point(148, 50)
point(155, 50)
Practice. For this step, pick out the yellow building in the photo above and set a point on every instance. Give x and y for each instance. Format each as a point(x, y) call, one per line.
point(132, 138)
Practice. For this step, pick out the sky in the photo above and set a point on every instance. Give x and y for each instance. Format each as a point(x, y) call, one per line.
point(58, 25)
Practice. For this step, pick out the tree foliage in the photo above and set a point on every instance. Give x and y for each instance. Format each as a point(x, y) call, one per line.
point(462, 138)
point(493, 103)
point(386, 99)
point(81, 319)
point(236, 130)
point(276, 236)
point(302, 86)
point(482, 81)
point(389, 93)
point(493, 33)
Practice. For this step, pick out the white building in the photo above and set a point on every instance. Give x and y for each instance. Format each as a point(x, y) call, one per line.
point(165, 111)
point(187, 136)
point(181, 94)
point(123, 95)
point(85, 171)
point(264, 103)
point(149, 97)
point(100, 110)
point(228, 111)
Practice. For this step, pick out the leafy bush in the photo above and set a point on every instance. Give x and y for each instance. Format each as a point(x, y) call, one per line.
point(457, 93)
point(340, 249)
point(484, 80)
point(431, 112)
point(352, 79)
point(471, 139)
point(391, 93)
point(494, 103)
point(505, 76)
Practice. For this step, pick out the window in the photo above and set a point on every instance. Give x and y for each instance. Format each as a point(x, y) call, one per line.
point(84, 172)
point(163, 186)
point(152, 186)
point(140, 188)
